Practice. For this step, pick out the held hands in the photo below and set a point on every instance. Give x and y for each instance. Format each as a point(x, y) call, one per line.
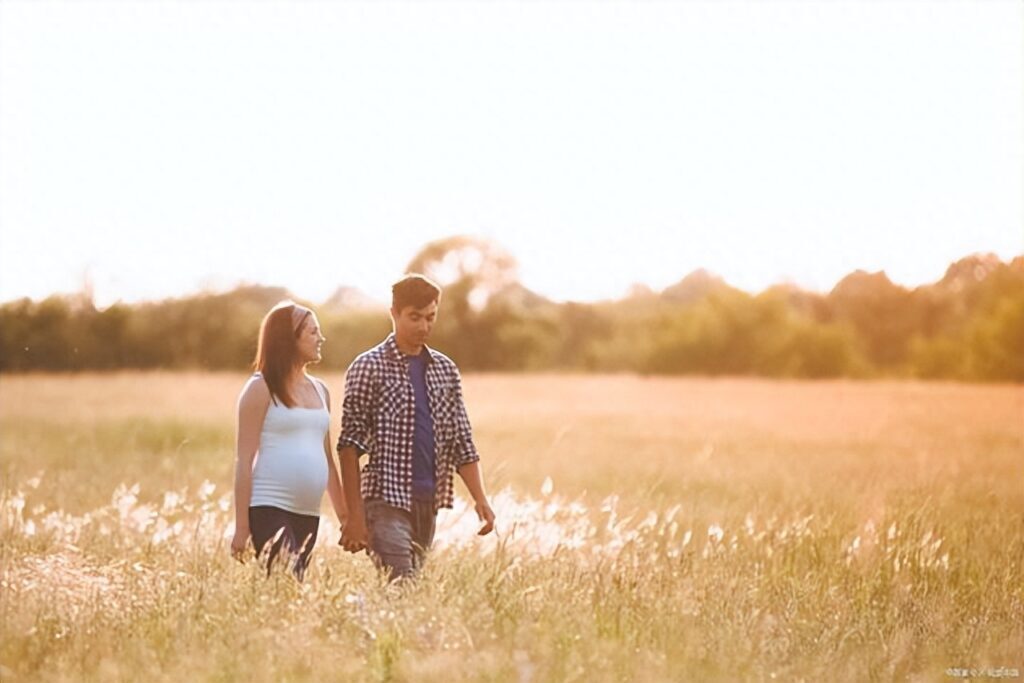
point(486, 515)
point(353, 534)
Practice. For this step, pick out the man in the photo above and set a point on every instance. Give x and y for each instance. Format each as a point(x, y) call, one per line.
point(403, 406)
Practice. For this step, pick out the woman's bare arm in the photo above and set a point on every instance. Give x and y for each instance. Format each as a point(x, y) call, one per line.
point(334, 488)
point(252, 410)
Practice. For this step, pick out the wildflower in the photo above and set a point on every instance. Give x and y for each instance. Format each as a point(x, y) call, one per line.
point(171, 501)
point(206, 490)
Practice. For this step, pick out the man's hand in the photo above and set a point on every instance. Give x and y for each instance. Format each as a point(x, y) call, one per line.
point(486, 515)
point(470, 473)
point(353, 534)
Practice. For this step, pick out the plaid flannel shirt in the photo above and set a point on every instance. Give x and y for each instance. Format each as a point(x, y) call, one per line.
point(378, 418)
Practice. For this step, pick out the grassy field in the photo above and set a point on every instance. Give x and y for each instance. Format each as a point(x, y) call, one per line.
point(650, 530)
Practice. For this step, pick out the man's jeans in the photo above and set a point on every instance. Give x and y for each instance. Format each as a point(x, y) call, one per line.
point(399, 539)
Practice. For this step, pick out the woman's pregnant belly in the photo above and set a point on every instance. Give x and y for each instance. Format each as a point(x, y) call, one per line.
point(292, 478)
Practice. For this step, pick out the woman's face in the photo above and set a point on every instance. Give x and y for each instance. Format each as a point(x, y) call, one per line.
point(310, 340)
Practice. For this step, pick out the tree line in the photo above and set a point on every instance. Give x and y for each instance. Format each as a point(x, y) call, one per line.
point(967, 326)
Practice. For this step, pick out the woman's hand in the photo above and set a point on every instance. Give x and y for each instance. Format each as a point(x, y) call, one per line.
point(240, 543)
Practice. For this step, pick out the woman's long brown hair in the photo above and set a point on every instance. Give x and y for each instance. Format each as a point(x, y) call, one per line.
point(276, 351)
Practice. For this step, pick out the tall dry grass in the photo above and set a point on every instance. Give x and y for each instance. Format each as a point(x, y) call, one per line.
point(651, 529)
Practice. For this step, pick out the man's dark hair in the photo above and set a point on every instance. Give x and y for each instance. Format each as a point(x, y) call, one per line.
point(414, 290)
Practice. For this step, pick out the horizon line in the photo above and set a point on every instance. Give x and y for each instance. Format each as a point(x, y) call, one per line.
point(372, 301)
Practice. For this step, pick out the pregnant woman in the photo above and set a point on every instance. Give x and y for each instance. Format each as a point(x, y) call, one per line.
point(283, 457)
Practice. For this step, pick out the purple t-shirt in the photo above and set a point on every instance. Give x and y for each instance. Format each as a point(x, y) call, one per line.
point(423, 434)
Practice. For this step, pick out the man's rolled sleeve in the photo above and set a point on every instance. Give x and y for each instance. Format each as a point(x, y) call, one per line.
point(465, 449)
point(356, 407)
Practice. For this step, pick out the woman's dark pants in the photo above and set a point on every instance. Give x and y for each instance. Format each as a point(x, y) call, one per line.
point(297, 536)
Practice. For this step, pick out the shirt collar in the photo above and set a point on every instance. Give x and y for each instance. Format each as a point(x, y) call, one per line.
point(391, 346)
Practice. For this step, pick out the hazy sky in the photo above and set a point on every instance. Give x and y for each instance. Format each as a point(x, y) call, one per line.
point(162, 147)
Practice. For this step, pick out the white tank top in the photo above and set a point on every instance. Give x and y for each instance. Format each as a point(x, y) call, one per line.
point(291, 468)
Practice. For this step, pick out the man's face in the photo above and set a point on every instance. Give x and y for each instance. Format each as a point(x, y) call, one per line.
point(413, 325)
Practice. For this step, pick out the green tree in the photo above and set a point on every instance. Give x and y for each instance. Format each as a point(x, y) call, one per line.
point(471, 271)
point(997, 342)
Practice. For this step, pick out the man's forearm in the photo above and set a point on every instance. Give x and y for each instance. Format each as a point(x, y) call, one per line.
point(350, 479)
point(470, 473)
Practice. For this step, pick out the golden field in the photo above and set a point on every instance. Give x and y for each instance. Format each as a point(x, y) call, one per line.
point(651, 529)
